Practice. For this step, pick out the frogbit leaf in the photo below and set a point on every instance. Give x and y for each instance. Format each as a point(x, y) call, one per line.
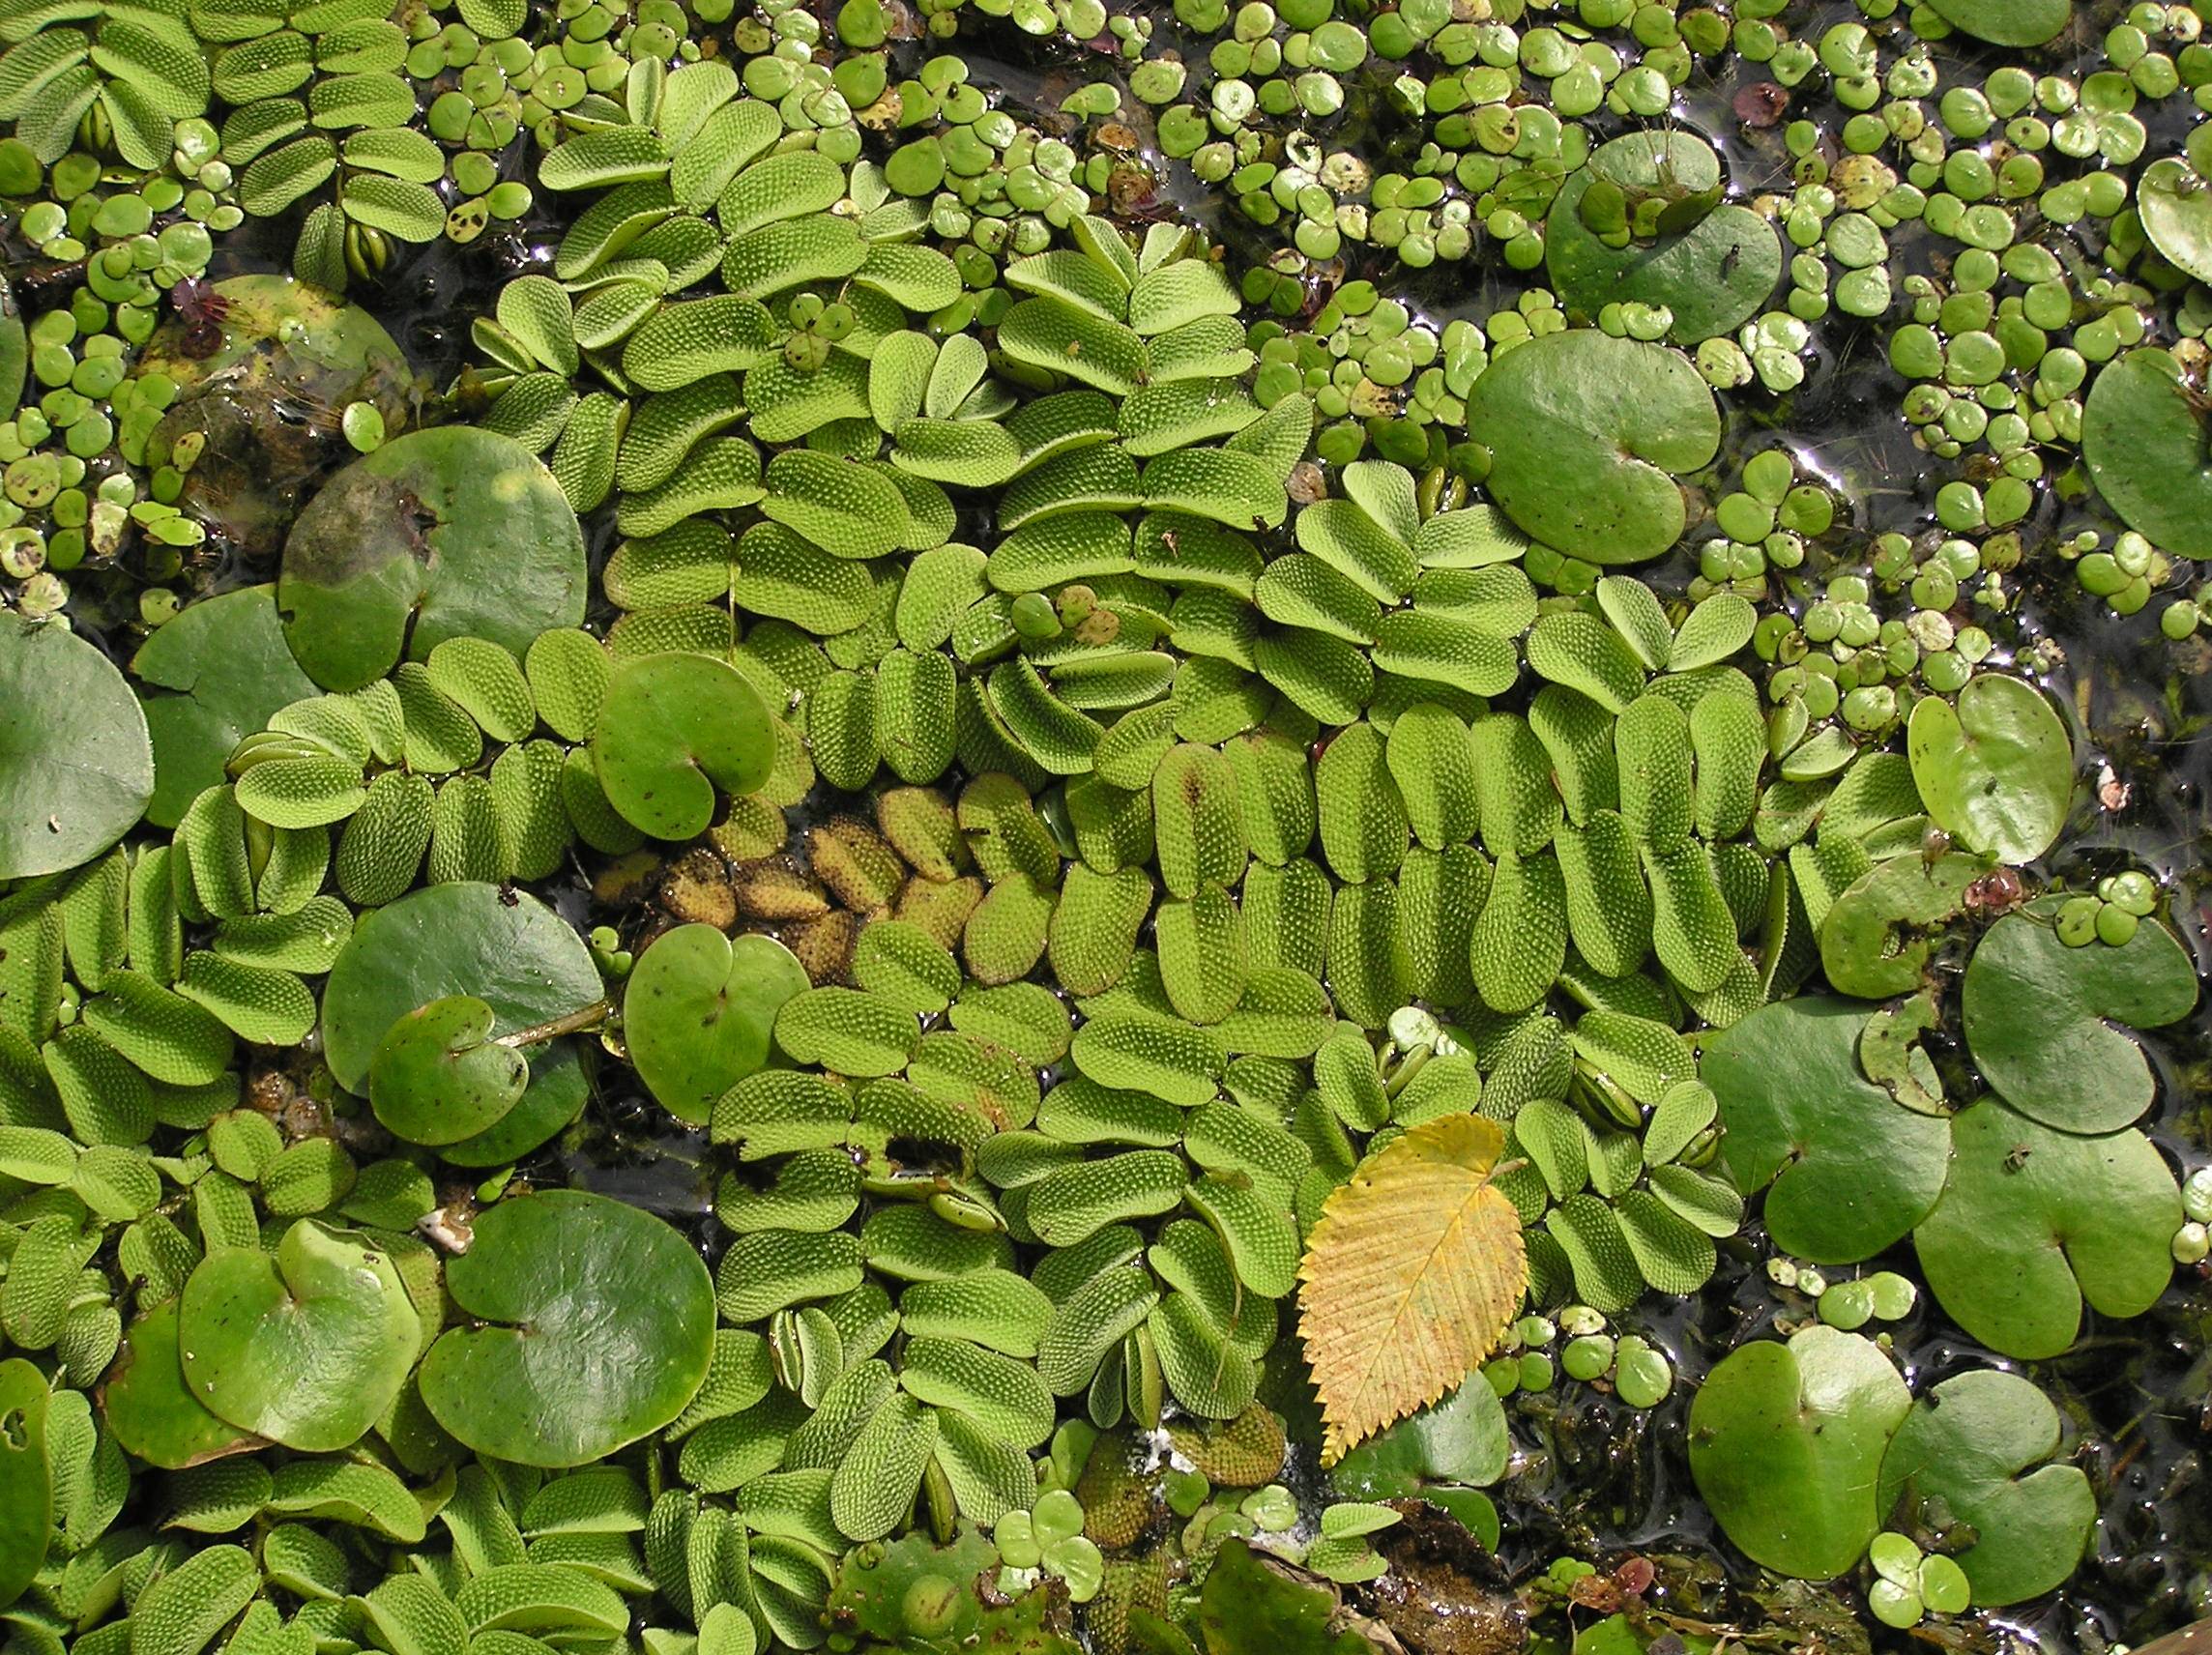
point(1408, 1277)
point(675, 730)
point(439, 1077)
point(1850, 1169)
point(76, 765)
point(2033, 1224)
point(698, 1013)
point(306, 1347)
point(605, 1326)
point(440, 534)
point(1587, 433)
point(26, 1486)
point(1970, 1443)
point(2039, 1019)
point(1997, 773)
point(1787, 1443)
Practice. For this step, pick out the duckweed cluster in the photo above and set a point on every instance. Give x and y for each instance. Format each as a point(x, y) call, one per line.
point(1030, 634)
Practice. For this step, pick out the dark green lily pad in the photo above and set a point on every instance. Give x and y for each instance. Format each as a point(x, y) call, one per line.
point(148, 1408)
point(226, 660)
point(2176, 206)
point(2006, 22)
point(699, 1012)
point(1847, 1169)
point(437, 1076)
point(1714, 274)
point(440, 534)
point(1878, 934)
point(2039, 1019)
point(1461, 1439)
point(2143, 437)
point(76, 766)
point(1995, 773)
point(608, 1325)
point(674, 730)
point(306, 1347)
point(1786, 1444)
point(26, 1486)
point(1588, 434)
point(507, 950)
point(2034, 1223)
point(1967, 1444)
point(1256, 1604)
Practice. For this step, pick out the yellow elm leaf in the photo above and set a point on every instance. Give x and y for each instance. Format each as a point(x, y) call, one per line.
point(1409, 1278)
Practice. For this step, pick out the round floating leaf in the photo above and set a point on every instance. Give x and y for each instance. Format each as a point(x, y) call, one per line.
point(1586, 433)
point(675, 730)
point(2144, 440)
point(510, 951)
point(1461, 1439)
point(76, 765)
point(1713, 273)
point(1850, 1169)
point(437, 1076)
point(226, 660)
point(1787, 1443)
point(1879, 931)
point(2006, 22)
point(440, 534)
point(306, 1347)
point(26, 1486)
point(699, 1012)
point(2036, 1017)
point(2035, 1222)
point(149, 1407)
point(1966, 1444)
point(1997, 773)
point(2177, 209)
point(607, 1327)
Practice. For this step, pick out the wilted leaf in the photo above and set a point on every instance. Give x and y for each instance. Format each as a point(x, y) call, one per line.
point(1408, 1277)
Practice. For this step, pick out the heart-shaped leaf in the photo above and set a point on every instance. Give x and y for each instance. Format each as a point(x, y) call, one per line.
point(2036, 1018)
point(226, 662)
point(509, 951)
point(437, 1078)
point(675, 730)
point(607, 1327)
point(151, 1410)
point(1586, 435)
point(455, 531)
point(1462, 1440)
point(1786, 1444)
point(699, 1012)
point(1714, 274)
point(2176, 207)
point(1996, 774)
point(2006, 22)
point(76, 765)
point(2144, 441)
point(1877, 937)
point(2034, 1223)
point(1848, 1170)
point(306, 1347)
point(1966, 1444)
point(26, 1486)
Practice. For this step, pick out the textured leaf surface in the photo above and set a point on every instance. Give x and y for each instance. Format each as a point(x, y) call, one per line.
point(1408, 1277)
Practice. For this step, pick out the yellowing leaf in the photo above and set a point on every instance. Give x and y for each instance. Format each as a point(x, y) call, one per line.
point(1408, 1277)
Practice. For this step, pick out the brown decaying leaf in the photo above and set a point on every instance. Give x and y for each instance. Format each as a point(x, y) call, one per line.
point(1409, 1278)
